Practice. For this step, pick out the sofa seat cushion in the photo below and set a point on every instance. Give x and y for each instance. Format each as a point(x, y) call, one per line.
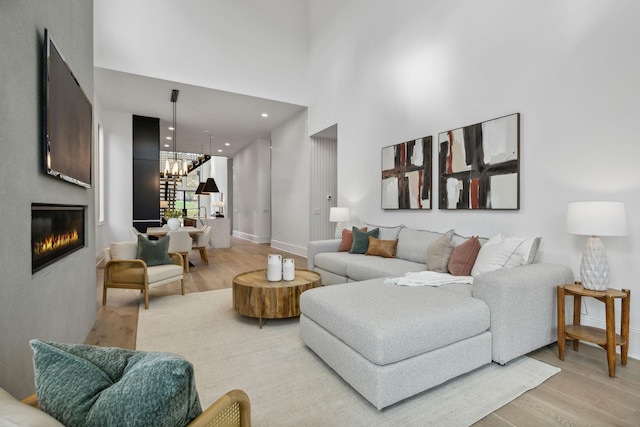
point(371, 267)
point(390, 323)
point(335, 262)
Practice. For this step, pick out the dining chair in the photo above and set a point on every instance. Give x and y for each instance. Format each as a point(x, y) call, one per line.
point(136, 233)
point(201, 242)
point(180, 242)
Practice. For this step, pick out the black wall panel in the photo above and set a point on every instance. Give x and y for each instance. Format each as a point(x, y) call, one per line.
point(146, 172)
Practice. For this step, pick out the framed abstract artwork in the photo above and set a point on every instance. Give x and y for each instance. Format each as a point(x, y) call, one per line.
point(406, 175)
point(479, 166)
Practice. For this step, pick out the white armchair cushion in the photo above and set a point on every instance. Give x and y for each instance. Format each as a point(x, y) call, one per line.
point(124, 250)
point(158, 273)
point(15, 413)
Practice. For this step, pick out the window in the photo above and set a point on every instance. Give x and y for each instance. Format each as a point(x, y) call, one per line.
point(101, 182)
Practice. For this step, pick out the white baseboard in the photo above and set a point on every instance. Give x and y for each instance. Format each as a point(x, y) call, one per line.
point(251, 237)
point(100, 259)
point(292, 249)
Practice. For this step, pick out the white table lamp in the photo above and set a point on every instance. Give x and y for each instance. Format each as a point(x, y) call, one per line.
point(596, 219)
point(341, 217)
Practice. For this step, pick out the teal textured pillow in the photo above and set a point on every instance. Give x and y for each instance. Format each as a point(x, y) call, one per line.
point(154, 252)
point(83, 385)
point(361, 240)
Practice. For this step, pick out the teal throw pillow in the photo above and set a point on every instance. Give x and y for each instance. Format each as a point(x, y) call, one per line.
point(361, 240)
point(154, 252)
point(83, 385)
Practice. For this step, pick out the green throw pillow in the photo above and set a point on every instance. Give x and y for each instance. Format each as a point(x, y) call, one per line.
point(83, 385)
point(361, 240)
point(154, 252)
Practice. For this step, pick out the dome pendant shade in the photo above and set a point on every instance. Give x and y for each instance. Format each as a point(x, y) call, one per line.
point(200, 188)
point(210, 187)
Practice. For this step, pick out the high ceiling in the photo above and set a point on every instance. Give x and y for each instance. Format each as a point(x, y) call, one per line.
point(229, 118)
point(232, 61)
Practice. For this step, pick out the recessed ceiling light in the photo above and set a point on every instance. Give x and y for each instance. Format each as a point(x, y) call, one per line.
point(171, 127)
point(206, 131)
point(227, 144)
point(265, 115)
point(168, 137)
point(167, 145)
point(219, 150)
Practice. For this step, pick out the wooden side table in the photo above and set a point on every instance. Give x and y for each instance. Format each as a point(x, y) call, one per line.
point(607, 339)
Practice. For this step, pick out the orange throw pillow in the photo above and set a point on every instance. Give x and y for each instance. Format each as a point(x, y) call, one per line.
point(383, 248)
point(464, 256)
point(347, 240)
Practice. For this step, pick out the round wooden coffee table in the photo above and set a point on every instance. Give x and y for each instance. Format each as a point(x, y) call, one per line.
point(255, 296)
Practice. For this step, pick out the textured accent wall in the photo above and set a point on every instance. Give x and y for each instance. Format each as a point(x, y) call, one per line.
point(57, 303)
point(323, 181)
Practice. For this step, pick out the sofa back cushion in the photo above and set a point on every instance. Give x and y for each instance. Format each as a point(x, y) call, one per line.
point(386, 233)
point(413, 244)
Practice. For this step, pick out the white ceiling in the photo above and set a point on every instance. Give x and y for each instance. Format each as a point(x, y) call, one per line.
point(228, 117)
point(215, 52)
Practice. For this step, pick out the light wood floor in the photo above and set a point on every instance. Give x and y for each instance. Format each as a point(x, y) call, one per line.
point(582, 394)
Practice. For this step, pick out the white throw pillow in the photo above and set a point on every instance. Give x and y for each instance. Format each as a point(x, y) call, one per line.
point(528, 249)
point(496, 254)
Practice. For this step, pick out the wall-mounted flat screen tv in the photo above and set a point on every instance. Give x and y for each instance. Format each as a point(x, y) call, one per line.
point(67, 120)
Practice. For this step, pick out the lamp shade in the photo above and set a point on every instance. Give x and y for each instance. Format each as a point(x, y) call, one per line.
point(200, 187)
point(339, 215)
point(210, 187)
point(164, 204)
point(596, 218)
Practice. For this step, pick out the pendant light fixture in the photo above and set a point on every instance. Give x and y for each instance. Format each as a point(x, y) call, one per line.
point(202, 183)
point(179, 168)
point(209, 186)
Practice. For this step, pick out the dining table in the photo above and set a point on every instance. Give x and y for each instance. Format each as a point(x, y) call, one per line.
point(162, 231)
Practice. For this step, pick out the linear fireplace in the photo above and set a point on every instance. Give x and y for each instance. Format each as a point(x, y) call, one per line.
point(56, 231)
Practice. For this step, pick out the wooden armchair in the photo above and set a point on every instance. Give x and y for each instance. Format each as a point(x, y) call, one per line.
point(233, 409)
point(230, 410)
point(122, 270)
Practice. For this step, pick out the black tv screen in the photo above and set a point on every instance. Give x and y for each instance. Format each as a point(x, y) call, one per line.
point(67, 120)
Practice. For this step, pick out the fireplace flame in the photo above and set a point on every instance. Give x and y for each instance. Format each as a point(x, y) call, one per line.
point(51, 243)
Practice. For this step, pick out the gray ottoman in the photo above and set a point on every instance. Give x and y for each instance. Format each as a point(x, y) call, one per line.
point(391, 342)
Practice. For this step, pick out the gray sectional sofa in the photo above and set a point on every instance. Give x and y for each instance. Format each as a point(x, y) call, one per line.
point(391, 342)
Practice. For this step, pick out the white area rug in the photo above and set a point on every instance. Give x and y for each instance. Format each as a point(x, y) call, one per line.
point(290, 386)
